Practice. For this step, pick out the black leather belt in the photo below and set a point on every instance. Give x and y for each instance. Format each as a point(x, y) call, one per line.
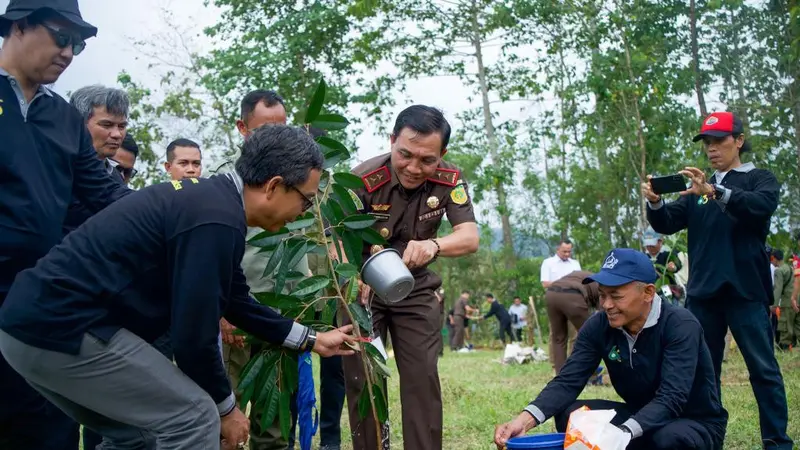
point(565, 290)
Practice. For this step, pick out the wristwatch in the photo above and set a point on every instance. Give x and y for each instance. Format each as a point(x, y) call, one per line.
point(310, 340)
point(625, 428)
point(719, 191)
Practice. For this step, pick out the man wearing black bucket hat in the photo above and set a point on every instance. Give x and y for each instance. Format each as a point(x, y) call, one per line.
point(46, 156)
point(728, 219)
point(656, 357)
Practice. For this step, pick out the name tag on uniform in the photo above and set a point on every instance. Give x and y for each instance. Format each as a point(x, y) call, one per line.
point(431, 215)
point(380, 216)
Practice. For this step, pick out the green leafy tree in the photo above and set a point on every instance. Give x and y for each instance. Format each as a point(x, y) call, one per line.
point(338, 234)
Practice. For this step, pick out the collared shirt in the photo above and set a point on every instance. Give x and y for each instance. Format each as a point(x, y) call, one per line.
point(46, 157)
point(403, 215)
point(554, 268)
point(24, 105)
point(521, 312)
point(652, 319)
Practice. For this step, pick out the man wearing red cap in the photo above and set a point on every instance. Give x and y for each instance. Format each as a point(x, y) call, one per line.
point(727, 217)
point(45, 158)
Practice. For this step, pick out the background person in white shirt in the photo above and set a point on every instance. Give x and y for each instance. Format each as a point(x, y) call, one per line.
point(553, 269)
point(519, 318)
point(559, 264)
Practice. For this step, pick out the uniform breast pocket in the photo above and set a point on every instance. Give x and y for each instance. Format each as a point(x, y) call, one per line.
point(426, 228)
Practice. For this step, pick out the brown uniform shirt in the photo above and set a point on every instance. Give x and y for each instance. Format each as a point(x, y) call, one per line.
point(574, 280)
point(404, 216)
point(459, 309)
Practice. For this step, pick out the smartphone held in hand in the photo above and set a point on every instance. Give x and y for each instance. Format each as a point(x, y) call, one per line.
point(668, 184)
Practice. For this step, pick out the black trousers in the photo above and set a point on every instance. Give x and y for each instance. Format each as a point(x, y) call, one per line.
point(750, 325)
point(680, 434)
point(505, 330)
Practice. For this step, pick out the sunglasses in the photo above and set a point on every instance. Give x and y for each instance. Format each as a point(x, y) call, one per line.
point(62, 39)
point(126, 172)
point(307, 202)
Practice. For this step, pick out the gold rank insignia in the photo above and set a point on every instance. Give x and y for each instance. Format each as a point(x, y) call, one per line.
point(377, 178)
point(381, 207)
point(432, 202)
point(384, 233)
point(459, 195)
point(375, 249)
point(447, 177)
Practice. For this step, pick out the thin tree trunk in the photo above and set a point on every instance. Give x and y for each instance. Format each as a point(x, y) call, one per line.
point(502, 205)
point(639, 131)
point(741, 102)
point(698, 82)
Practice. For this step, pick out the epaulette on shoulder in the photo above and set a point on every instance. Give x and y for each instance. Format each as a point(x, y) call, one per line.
point(377, 178)
point(447, 177)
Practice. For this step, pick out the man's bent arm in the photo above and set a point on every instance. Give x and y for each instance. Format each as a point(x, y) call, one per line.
point(262, 321)
point(669, 218)
point(562, 390)
point(678, 369)
point(92, 184)
point(760, 203)
point(462, 241)
point(198, 276)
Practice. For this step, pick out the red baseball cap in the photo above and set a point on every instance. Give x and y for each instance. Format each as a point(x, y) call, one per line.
point(720, 124)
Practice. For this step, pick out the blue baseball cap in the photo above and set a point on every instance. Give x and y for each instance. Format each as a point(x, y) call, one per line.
point(622, 266)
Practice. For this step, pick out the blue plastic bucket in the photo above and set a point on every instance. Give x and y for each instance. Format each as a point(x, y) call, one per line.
point(552, 441)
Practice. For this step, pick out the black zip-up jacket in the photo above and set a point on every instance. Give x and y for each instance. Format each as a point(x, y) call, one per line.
point(727, 237)
point(46, 156)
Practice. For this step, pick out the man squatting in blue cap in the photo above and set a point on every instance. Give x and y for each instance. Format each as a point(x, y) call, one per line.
point(656, 357)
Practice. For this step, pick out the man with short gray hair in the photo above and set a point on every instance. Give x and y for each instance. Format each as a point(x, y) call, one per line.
point(105, 111)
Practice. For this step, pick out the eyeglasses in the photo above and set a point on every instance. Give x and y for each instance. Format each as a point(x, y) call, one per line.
point(62, 39)
point(126, 172)
point(307, 202)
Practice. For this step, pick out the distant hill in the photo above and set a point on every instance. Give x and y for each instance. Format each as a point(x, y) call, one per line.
point(525, 245)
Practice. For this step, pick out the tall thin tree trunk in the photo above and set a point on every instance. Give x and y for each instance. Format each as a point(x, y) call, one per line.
point(698, 82)
point(741, 102)
point(639, 131)
point(502, 205)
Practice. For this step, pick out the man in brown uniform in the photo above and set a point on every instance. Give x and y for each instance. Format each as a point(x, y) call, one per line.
point(409, 190)
point(568, 300)
point(460, 310)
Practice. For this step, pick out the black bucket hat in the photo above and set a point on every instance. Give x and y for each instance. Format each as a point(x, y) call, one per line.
point(67, 9)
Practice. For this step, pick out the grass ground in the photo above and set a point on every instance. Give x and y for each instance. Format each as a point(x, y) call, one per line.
point(478, 392)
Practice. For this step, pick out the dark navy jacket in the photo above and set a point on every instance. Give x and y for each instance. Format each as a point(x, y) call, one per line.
point(727, 237)
point(166, 258)
point(665, 375)
point(46, 155)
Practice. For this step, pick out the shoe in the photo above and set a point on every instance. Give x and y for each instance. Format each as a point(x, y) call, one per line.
point(330, 447)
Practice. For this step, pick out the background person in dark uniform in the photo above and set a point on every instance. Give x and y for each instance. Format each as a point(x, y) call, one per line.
point(658, 362)
point(46, 157)
point(568, 300)
point(503, 318)
point(409, 191)
point(728, 218)
point(78, 324)
point(668, 263)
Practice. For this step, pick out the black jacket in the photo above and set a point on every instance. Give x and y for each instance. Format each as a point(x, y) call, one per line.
point(726, 238)
point(668, 375)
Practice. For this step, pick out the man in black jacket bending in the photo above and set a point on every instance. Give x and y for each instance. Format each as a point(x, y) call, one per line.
point(727, 218)
point(657, 360)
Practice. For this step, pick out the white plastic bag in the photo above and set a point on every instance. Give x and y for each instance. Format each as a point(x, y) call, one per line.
point(592, 430)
